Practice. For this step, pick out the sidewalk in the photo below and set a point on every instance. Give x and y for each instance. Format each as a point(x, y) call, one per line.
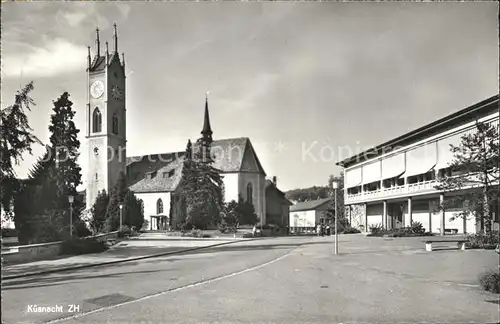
point(121, 252)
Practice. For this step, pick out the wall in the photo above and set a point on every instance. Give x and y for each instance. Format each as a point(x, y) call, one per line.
point(258, 182)
point(305, 218)
point(374, 213)
point(150, 199)
point(231, 188)
point(276, 207)
point(43, 251)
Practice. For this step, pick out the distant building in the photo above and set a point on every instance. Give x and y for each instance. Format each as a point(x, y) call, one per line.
point(394, 184)
point(305, 216)
point(277, 205)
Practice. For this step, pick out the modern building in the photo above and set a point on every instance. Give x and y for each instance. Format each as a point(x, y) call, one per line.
point(277, 205)
point(305, 216)
point(154, 178)
point(394, 184)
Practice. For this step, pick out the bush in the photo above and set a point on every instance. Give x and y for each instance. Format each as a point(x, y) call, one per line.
point(482, 241)
point(376, 229)
point(125, 231)
point(417, 228)
point(9, 232)
point(351, 230)
point(490, 281)
point(83, 246)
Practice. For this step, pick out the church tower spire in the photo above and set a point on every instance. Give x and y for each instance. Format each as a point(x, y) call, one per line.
point(207, 130)
point(98, 43)
point(115, 36)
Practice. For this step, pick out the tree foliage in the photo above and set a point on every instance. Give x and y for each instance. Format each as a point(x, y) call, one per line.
point(475, 173)
point(64, 147)
point(239, 212)
point(307, 194)
point(16, 138)
point(201, 187)
point(98, 211)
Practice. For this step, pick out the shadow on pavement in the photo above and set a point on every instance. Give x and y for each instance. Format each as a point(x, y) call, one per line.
point(45, 281)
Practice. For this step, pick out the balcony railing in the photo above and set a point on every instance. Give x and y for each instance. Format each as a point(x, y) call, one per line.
point(408, 189)
point(421, 187)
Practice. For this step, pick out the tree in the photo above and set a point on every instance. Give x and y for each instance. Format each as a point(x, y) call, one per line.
point(117, 198)
point(64, 147)
point(230, 214)
point(202, 186)
point(98, 211)
point(474, 172)
point(330, 212)
point(135, 215)
point(16, 138)
point(306, 194)
point(246, 212)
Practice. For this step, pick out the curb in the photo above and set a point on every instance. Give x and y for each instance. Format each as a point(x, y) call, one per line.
point(30, 274)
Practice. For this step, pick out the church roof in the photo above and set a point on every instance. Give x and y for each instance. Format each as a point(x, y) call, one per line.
point(99, 62)
point(147, 173)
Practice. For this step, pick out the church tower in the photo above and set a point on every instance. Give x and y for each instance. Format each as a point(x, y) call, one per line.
point(105, 118)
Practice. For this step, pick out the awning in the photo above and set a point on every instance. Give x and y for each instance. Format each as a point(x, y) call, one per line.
point(393, 166)
point(444, 153)
point(352, 178)
point(421, 159)
point(371, 172)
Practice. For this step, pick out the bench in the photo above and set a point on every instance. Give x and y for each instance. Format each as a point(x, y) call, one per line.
point(460, 242)
point(449, 230)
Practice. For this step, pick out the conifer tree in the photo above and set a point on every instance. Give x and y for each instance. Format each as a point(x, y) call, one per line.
point(475, 164)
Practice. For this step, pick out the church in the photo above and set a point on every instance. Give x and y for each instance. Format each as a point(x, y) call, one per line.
point(154, 178)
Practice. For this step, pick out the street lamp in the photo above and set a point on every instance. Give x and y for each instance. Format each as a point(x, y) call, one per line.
point(121, 217)
point(70, 200)
point(335, 186)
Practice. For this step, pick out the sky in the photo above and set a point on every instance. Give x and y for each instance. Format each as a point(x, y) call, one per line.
point(303, 80)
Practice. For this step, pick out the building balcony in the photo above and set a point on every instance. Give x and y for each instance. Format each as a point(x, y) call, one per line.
point(408, 190)
point(413, 189)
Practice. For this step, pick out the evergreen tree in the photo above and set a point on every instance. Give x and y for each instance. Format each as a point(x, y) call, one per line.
point(98, 211)
point(135, 215)
point(117, 198)
point(246, 212)
point(65, 145)
point(475, 164)
point(202, 186)
point(16, 138)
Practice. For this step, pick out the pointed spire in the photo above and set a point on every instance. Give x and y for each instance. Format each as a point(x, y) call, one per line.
point(107, 53)
point(98, 43)
point(207, 130)
point(115, 36)
point(88, 58)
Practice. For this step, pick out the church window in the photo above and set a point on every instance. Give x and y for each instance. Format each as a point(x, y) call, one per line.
point(114, 126)
point(159, 206)
point(96, 121)
point(142, 207)
point(96, 177)
point(249, 193)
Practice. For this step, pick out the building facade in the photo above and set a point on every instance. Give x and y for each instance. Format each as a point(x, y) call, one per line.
point(154, 178)
point(277, 205)
point(394, 184)
point(305, 216)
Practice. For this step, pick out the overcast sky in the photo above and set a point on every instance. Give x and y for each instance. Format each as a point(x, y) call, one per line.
point(293, 77)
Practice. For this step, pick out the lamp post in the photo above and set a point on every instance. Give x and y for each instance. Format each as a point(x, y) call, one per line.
point(121, 217)
point(335, 186)
point(70, 200)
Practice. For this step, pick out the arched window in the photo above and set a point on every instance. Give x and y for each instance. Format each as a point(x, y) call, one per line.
point(249, 193)
point(159, 206)
point(96, 121)
point(114, 126)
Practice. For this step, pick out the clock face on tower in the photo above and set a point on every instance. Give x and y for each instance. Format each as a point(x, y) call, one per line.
point(116, 92)
point(97, 89)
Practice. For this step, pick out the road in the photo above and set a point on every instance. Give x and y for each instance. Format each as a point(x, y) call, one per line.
point(281, 280)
